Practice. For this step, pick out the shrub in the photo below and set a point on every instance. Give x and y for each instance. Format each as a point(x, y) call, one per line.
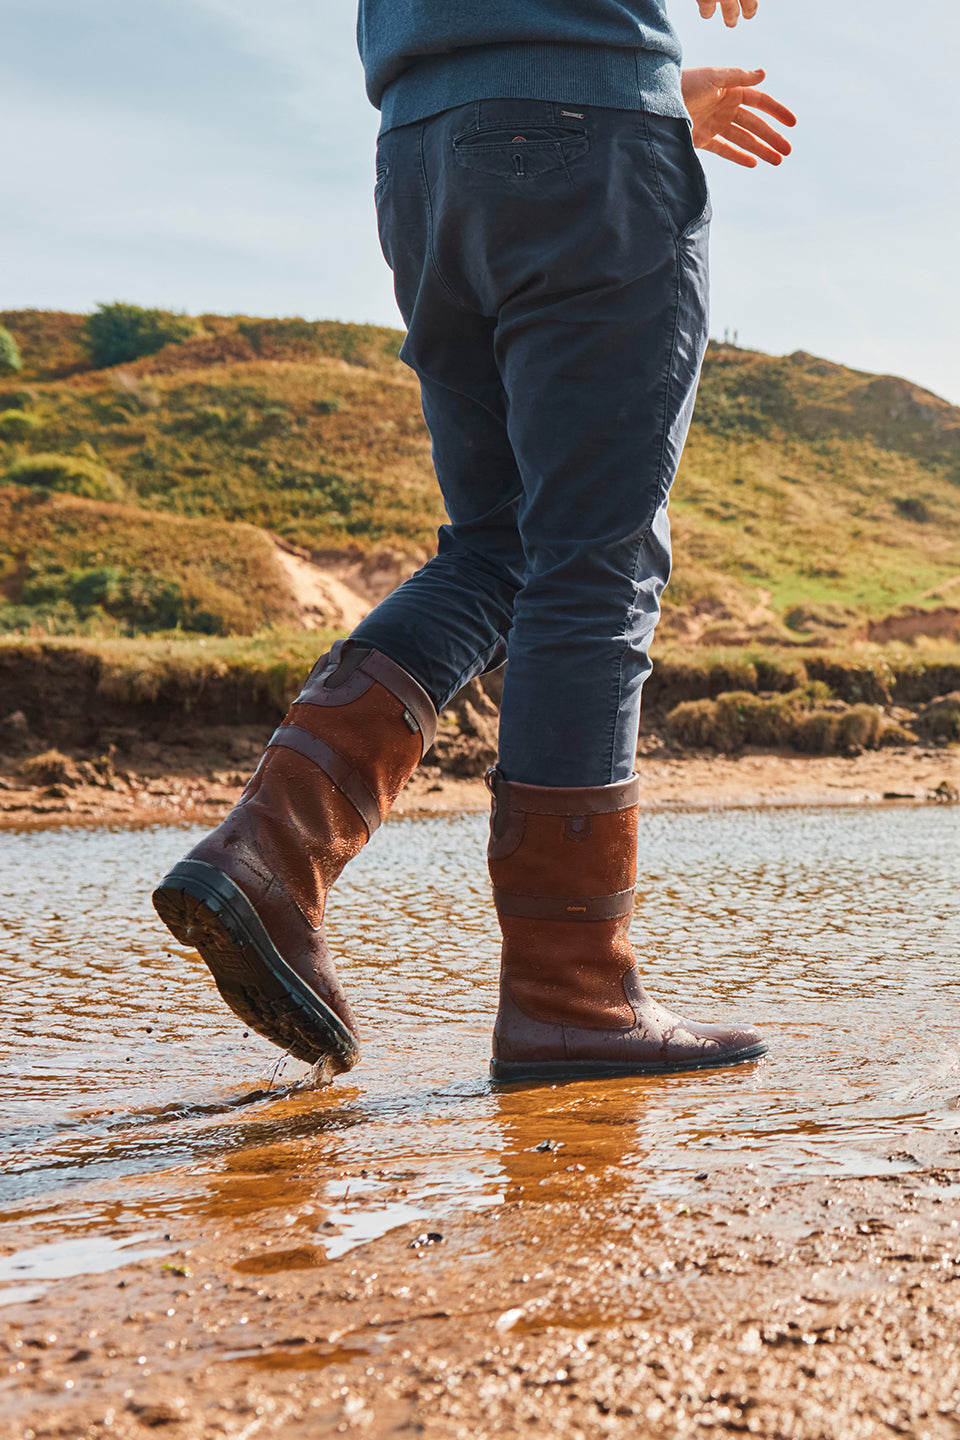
point(274, 420)
point(694, 723)
point(116, 334)
point(73, 473)
point(16, 424)
point(860, 728)
point(779, 672)
point(817, 732)
point(10, 361)
point(140, 601)
point(60, 618)
point(802, 720)
point(734, 719)
point(50, 768)
point(913, 508)
point(940, 720)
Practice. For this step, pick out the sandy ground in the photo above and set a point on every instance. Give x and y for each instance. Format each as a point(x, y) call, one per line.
point(162, 788)
point(827, 1309)
point(815, 1309)
point(323, 596)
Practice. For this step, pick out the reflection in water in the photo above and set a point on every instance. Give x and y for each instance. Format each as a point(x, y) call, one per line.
point(130, 1098)
point(88, 1256)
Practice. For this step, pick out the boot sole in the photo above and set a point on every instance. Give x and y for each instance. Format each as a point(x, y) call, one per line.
point(205, 910)
point(504, 1071)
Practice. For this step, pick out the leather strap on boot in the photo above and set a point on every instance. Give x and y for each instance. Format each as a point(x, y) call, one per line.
point(577, 811)
point(563, 865)
point(251, 895)
point(340, 679)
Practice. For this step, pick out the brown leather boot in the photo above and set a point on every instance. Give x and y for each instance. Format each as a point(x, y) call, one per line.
point(563, 864)
point(250, 897)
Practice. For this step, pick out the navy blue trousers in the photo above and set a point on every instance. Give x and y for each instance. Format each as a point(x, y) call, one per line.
point(550, 262)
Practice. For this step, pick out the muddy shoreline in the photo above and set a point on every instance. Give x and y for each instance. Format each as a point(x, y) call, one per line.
point(153, 784)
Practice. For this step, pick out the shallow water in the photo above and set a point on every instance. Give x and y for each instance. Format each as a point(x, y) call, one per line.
point(133, 1111)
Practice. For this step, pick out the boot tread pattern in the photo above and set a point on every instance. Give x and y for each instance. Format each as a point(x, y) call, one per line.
point(307, 1029)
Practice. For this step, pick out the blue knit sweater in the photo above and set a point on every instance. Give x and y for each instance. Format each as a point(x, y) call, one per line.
point(423, 56)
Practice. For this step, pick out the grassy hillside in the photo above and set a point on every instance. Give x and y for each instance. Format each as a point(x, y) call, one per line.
point(813, 500)
point(837, 492)
point(314, 432)
point(71, 565)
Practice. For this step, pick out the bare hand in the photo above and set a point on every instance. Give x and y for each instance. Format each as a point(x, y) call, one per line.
point(731, 10)
point(721, 105)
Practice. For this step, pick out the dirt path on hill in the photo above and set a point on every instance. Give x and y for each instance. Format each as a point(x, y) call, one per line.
point(336, 592)
point(324, 599)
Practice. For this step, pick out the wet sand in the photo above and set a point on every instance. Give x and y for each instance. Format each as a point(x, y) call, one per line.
point(810, 1309)
point(771, 1250)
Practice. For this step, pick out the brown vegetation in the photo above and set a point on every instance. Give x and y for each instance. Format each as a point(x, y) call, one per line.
point(83, 695)
point(803, 720)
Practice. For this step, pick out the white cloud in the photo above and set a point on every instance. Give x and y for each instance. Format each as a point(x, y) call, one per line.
point(169, 211)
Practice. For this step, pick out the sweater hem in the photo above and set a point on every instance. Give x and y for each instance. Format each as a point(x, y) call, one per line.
point(618, 79)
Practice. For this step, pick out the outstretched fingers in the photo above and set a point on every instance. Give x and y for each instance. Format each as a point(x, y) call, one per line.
point(762, 130)
point(746, 140)
point(760, 100)
point(729, 152)
point(733, 118)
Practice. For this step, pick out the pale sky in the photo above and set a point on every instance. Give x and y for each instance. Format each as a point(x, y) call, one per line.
point(218, 155)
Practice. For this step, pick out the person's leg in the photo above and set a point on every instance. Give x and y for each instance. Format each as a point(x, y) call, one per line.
point(594, 259)
point(251, 896)
point(585, 234)
point(450, 620)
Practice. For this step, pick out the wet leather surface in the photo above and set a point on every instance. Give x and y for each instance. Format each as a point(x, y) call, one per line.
point(570, 990)
point(287, 841)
